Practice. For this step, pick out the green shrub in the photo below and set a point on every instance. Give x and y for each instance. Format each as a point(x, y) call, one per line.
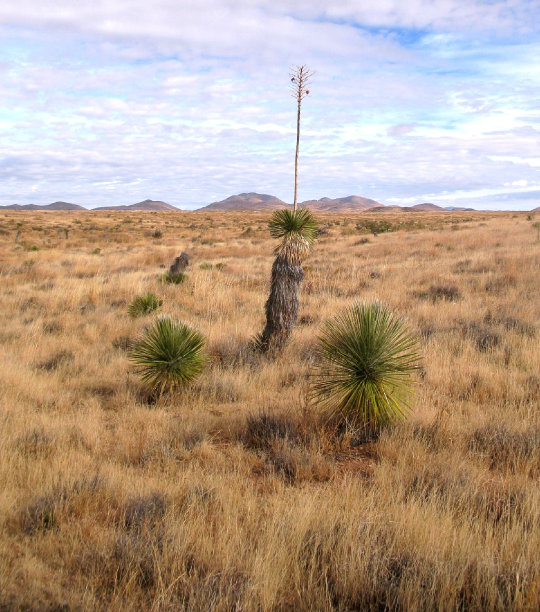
point(168, 356)
point(173, 279)
point(367, 358)
point(375, 227)
point(210, 266)
point(144, 304)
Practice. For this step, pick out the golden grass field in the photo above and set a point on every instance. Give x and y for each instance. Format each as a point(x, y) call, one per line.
point(233, 495)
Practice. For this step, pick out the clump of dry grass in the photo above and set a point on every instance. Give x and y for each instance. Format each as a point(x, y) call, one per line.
point(233, 494)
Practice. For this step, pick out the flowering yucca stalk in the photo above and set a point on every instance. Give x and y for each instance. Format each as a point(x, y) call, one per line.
point(168, 356)
point(367, 358)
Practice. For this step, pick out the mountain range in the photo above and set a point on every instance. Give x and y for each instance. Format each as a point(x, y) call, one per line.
point(253, 202)
point(53, 206)
point(144, 205)
point(260, 201)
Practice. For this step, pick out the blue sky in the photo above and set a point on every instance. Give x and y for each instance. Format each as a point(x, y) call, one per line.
point(116, 101)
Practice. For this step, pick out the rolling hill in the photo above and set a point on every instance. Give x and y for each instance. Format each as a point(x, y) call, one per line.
point(53, 206)
point(260, 201)
point(347, 204)
point(153, 205)
point(247, 201)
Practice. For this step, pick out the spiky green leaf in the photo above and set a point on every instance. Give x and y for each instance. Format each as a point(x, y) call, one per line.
point(367, 358)
point(285, 222)
point(297, 232)
point(169, 355)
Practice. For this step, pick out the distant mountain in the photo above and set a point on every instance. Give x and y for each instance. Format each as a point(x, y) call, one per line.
point(247, 201)
point(348, 204)
point(382, 208)
point(261, 201)
point(426, 207)
point(144, 205)
point(53, 206)
point(257, 202)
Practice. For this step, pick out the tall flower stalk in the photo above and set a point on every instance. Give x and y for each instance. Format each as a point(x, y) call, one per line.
point(300, 77)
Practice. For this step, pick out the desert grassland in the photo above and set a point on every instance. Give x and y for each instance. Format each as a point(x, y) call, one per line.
point(233, 495)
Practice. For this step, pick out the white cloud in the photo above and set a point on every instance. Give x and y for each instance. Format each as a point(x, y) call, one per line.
point(189, 102)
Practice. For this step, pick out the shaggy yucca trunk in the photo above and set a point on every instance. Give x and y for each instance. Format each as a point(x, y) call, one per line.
point(297, 231)
point(282, 304)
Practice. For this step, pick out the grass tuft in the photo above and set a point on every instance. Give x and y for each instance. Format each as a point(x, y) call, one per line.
point(144, 304)
point(173, 278)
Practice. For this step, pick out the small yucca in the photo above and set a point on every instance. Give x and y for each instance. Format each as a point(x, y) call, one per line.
point(367, 358)
point(297, 231)
point(168, 356)
point(144, 304)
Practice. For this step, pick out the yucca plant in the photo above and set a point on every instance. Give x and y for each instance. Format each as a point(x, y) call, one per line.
point(367, 358)
point(168, 356)
point(144, 304)
point(297, 232)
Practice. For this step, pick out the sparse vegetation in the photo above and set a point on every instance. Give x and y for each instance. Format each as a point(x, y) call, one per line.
point(449, 293)
point(536, 226)
point(234, 493)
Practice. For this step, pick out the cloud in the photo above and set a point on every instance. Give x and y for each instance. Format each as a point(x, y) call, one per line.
point(189, 102)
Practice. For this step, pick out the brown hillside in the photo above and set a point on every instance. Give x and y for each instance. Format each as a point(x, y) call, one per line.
point(347, 204)
point(53, 206)
point(426, 207)
point(247, 201)
point(144, 205)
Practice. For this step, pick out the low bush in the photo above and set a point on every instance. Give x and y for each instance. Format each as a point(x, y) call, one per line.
point(144, 304)
point(173, 279)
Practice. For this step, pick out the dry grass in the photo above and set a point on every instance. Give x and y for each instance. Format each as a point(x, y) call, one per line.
point(233, 495)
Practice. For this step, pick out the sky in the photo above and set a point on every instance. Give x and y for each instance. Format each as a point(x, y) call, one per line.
point(116, 101)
